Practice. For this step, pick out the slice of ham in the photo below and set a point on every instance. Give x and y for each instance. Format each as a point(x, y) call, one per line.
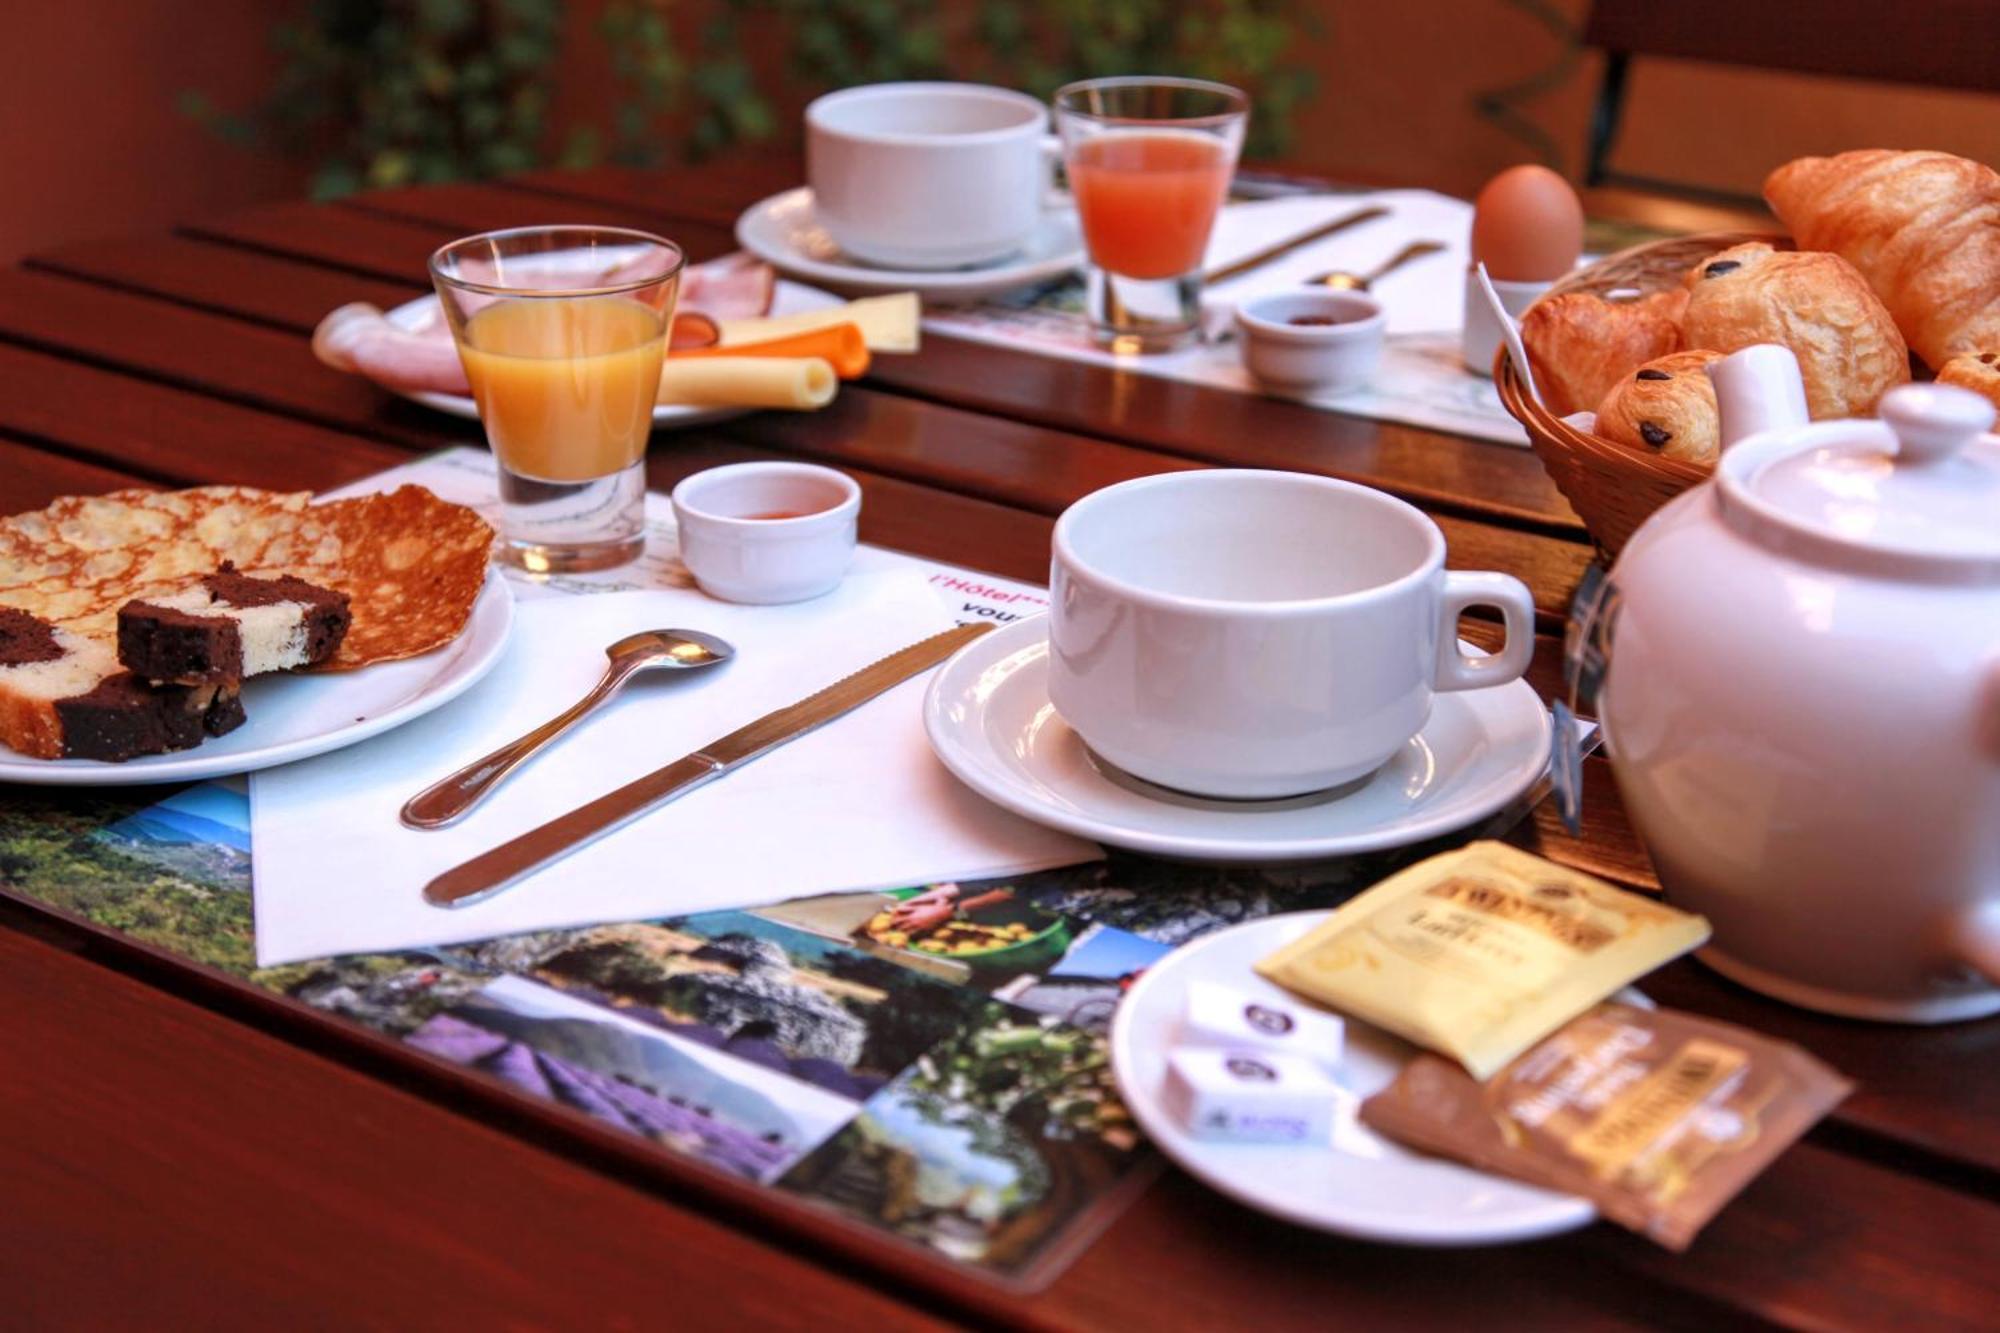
point(359, 338)
point(738, 286)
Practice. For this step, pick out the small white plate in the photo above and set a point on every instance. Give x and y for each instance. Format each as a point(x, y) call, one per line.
point(1360, 1184)
point(990, 721)
point(782, 232)
point(790, 298)
point(296, 716)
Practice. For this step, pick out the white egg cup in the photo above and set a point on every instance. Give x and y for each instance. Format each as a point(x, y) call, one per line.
point(1482, 335)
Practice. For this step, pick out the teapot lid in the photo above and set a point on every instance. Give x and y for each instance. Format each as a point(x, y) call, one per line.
point(1923, 482)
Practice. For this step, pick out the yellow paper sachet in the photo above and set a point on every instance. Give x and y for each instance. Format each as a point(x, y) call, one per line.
point(1480, 953)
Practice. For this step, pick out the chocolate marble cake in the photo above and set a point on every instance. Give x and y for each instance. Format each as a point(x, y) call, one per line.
point(229, 626)
point(64, 696)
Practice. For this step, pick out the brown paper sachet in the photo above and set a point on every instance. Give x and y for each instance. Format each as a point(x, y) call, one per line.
point(1657, 1117)
point(1480, 953)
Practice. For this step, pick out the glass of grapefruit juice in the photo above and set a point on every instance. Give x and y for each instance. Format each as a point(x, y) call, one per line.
point(1149, 163)
point(562, 331)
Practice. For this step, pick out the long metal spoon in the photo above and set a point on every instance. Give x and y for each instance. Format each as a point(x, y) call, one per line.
point(677, 649)
point(1342, 281)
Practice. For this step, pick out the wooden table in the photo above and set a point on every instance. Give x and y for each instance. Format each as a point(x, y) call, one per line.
point(178, 1149)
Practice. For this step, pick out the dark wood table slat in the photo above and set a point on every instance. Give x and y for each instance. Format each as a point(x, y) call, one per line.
point(383, 248)
point(174, 435)
point(31, 476)
point(283, 1191)
point(465, 209)
point(214, 353)
point(224, 278)
point(713, 192)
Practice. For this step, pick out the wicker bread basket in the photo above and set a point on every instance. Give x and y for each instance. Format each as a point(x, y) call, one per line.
point(1612, 488)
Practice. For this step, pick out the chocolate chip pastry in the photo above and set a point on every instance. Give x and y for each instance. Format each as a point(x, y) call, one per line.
point(1977, 371)
point(1849, 350)
point(1666, 407)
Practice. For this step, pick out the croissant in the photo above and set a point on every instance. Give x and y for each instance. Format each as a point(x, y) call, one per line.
point(1580, 345)
point(1923, 228)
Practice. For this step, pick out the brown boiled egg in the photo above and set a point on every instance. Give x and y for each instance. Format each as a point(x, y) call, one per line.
point(1527, 226)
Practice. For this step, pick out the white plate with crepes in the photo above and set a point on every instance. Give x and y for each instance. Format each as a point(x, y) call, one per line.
point(295, 715)
point(989, 719)
point(1357, 1184)
point(783, 232)
point(424, 313)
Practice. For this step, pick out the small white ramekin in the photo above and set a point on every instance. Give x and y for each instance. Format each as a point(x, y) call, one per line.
point(739, 557)
point(1328, 358)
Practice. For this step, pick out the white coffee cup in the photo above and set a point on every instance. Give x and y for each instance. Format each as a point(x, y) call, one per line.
point(928, 175)
point(1248, 634)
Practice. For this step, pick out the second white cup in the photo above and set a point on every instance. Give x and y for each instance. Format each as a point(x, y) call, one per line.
point(1253, 635)
point(928, 175)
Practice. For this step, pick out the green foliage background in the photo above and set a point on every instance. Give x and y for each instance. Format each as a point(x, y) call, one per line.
point(379, 93)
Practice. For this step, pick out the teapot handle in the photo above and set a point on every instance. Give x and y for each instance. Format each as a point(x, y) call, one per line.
point(1989, 712)
point(1976, 939)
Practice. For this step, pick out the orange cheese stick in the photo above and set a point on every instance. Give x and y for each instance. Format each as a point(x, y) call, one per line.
point(840, 345)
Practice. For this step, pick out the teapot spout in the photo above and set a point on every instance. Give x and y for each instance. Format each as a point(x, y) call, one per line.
point(1758, 389)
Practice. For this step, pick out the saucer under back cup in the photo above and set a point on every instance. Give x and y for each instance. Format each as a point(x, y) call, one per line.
point(990, 722)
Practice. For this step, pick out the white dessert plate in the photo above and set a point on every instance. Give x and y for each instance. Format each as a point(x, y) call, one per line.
point(989, 719)
point(1359, 1184)
point(296, 716)
point(782, 232)
point(790, 298)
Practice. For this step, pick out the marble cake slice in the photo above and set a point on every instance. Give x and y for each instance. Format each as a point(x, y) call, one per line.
point(65, 696)
point(229, 626)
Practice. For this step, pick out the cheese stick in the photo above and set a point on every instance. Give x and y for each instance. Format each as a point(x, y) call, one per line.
point(747, 381)
point(887, 323)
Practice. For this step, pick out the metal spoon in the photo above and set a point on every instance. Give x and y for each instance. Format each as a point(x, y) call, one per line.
point(677, 649)
point(1342, 281)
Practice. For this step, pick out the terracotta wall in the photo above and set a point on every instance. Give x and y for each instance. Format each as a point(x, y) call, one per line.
point(93, 144)
point(1410, 117)
point(90, 140)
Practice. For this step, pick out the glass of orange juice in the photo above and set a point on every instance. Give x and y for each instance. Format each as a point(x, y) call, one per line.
point(1149, 162)
point(562, 331)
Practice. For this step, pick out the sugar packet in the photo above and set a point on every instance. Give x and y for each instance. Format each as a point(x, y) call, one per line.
point(1481, 952)
point(1657, 1117)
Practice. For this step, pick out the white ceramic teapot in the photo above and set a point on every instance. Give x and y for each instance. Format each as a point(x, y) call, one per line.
point(1802, 700)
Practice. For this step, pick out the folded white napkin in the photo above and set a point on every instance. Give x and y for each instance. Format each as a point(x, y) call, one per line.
point(1427, 295)
point(860, 804)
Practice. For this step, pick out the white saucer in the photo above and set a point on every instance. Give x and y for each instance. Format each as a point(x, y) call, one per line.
point(1359, 1185)
point(990, 721)
point(789, 298)
point(295, 716)
point(782, 232)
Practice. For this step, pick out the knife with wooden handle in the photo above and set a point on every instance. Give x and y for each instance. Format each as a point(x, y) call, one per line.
point(490, 872)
